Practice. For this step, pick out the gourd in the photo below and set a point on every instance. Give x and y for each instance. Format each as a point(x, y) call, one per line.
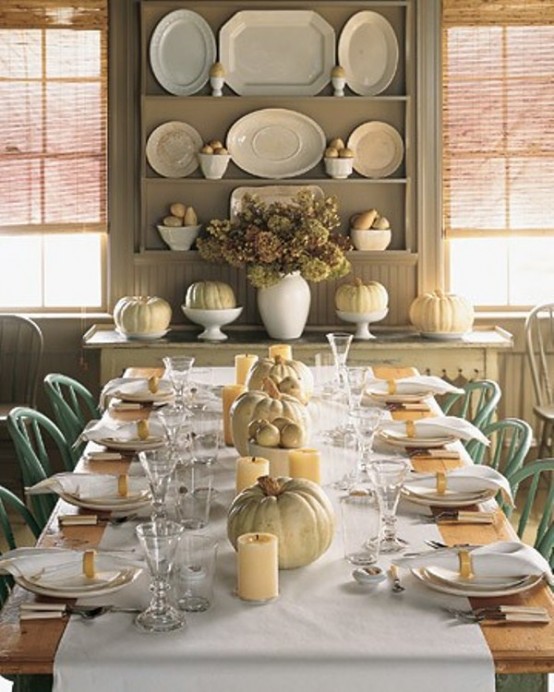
point(295, 377)
point(210, 295)
point(265, 404)
point(437, 312)
point(142, 315)
point(355, 296)
point(296, 510)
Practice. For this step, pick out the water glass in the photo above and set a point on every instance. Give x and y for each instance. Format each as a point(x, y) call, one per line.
point(325, 380)
point(158, 465)
point(355, 378)
point(194, 570)
point(172, 418)
point(340, 346)
point(388, 475)
point(361, 525)
point(194, 484)
point(205, 436)
point(178, 370)
point(365, 421)
point(159, 541)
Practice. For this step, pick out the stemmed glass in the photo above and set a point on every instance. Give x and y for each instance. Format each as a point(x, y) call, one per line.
point(340, 345)
point(178, 370)
point(158, 464)
point(365, 421)
point(159, 540)
point(172, 417)
point(388, 475)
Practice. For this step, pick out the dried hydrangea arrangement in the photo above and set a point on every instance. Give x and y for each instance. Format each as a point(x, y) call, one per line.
point(274, 239)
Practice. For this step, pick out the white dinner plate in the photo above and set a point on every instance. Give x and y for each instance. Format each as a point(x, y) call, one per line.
point(276, 143)
point(269, 194)
point(133, 445)
point(368, 52)
point(443, 336)
point(452, 577)
point(172, 149)
point(455, 590)
point(402, 440)
point(182, 50)
point(277, 52)
point(107, 506)
point(129, 392)
point(378, 149)
point(126, 577)
point(453, 500)
point(398, 398)
point(142, 337)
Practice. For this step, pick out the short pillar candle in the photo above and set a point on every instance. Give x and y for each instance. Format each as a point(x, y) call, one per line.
point(305, 463)
point(248, 470)
point(243, 363)
point(229, 393)
point(257, 566)
point(283, 350)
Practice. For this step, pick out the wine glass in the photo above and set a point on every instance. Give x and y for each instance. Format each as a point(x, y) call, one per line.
point(340, 345)
point(388, 475)
point(158, 464)
point(172, 418)
point(159, 540)
point(365, 421)
point(178, 370)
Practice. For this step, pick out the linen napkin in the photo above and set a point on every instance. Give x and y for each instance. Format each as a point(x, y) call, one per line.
point(108, 428)
point(440, 425)
point(90, 486)
point(60, 567)
point(501, 559)
point(411, 385)
point(467, 479)
point(136, 388)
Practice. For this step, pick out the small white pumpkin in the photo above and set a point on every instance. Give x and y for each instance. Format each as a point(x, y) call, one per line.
point(283, 371)
point(210, 295)
point(439, 312)
point(142, 315)
point(355, 296)
point(296, 510)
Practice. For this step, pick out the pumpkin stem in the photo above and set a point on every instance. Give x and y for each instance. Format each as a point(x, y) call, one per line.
point(279, 360)
point(270, 486)
point(356, 281)
point(270, 388)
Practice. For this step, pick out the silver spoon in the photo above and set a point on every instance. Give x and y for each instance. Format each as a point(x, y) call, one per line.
point(396, 585)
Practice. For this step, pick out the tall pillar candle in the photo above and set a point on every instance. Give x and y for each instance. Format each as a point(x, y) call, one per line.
point(305, 463)
point(229, 393)
point(243, 363)
point(257, 566)
point(248, 470)
point(283, 350)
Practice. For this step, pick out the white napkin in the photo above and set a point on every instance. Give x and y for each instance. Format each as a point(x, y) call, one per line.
point(501, 559)
point(412, 385)
point(89, 486)
point(59, 566)
point(134, 387)
point(465, 479)
point(108, 428)
point(440, 425)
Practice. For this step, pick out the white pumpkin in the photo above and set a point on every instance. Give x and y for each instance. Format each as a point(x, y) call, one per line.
point(358, 297)
point(142, 315)
point(439, 312)
point(296, 510)
point(210, 295)
point(283, 371)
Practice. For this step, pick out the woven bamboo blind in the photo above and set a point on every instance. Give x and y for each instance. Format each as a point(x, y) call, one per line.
point(53, 121)
point(498, 87)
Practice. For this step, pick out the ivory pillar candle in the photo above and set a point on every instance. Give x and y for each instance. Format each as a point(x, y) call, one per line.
point(248, 470)
point(257, 566)
point(243, 363)
point(283, 350)
point(305, 463)
point(228, 394)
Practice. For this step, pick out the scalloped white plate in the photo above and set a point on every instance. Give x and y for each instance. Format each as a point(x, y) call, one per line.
point(172, 149)
point(378, 149)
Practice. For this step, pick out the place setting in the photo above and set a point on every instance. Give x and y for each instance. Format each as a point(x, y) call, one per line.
point(405, 390)
point(133, 436)
point(428, 433)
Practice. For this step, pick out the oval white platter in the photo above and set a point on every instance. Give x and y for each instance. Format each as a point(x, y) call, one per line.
point(276, 143)
point(172, 149)
point(444, 336)
point(368, 52)
point(269, 194)
point(182, 50)
point(378, 149)
point(277, 52)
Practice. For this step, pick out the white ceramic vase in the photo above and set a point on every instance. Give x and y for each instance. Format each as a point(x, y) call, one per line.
point(284, 307)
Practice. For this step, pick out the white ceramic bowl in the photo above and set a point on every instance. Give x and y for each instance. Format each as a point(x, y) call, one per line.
point(212, 320)
point(371, 240)
point(213, 166)
point(179, 237)
point(338, 168)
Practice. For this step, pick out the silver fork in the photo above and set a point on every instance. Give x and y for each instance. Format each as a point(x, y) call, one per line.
point(396, 585)
point(92, 612)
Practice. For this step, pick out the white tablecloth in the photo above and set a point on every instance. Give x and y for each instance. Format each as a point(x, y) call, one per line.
point(325, 632)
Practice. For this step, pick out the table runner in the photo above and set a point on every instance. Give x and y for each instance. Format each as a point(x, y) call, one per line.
point(323, 633)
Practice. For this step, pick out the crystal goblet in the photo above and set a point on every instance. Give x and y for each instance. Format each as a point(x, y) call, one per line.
point(172, 418)
point(178, 370)
point(365, 421)
point(340, 345)
point(158, 464)
point(388, 475)
point(159, 540)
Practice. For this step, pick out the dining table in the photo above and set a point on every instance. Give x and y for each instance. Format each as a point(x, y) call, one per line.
point(323, 631)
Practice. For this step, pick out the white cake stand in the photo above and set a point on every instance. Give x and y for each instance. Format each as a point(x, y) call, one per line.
point(212, 321)
point(362, 320)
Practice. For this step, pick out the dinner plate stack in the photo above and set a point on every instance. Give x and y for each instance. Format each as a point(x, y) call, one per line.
point(451, 582)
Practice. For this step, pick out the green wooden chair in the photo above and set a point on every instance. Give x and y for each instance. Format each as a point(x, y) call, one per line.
point(73, 405)
point(510, 439)
point(477, 405)
point(529, 498)
point(33, 434)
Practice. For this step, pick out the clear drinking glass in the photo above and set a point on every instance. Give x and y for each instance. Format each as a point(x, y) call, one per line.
point(158, 464)
point(388, 475)
point(172, 418)
point(205, 436)
point(340, 345)
point(365, 421)
point(355, 378)
point(178, 370)
point(194, 571)
point(194, 485)
point(159, 540)
point(361, 525)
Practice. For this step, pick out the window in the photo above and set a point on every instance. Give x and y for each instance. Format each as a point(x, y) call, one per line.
point(53, 168)
point(498, 160)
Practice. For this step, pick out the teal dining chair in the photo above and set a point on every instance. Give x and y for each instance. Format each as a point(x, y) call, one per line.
point(35, 438)
point(73, 406)
point(510, 440)
point(477, 404)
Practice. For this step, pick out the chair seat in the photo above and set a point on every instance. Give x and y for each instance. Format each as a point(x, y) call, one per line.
point(545, 412)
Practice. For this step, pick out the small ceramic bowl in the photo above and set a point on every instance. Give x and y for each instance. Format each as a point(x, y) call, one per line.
point(213, 166)
point(369, 576)
point(338, 168)
point(179, 237)
point(371, 240)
